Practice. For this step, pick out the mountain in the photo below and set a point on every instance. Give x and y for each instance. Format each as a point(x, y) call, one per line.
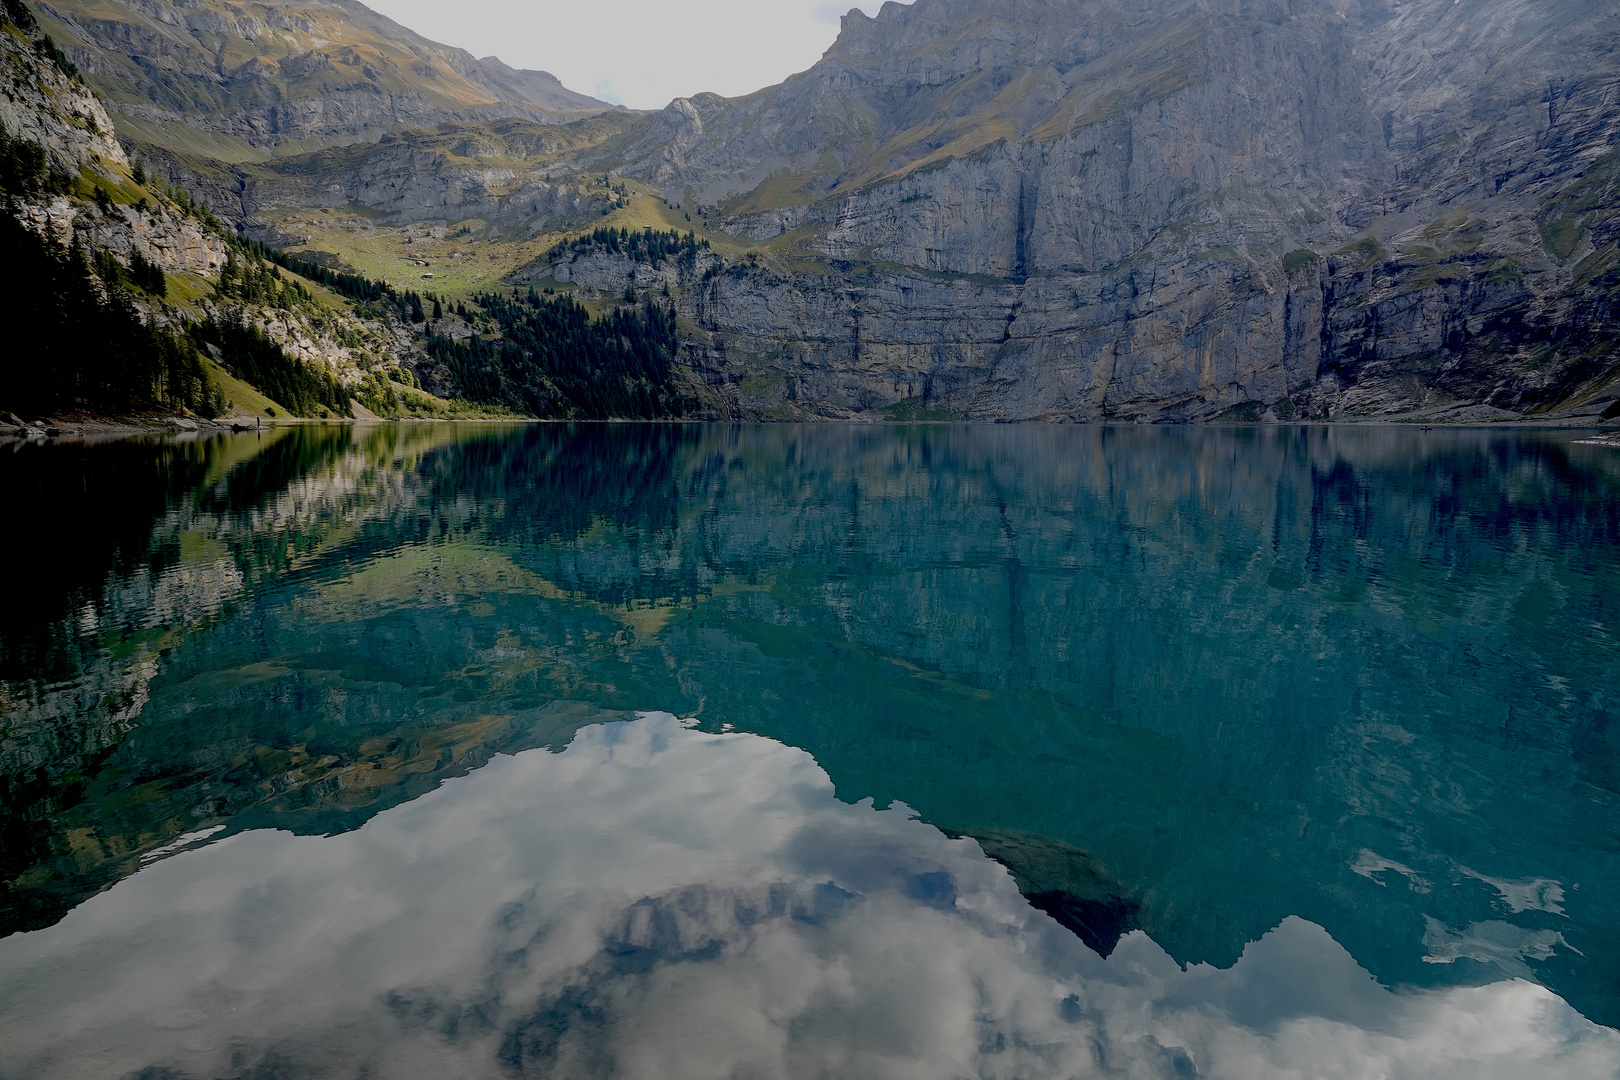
point(1167, 210)
point(238, 80)
point(1068, 210)
point(508, 172)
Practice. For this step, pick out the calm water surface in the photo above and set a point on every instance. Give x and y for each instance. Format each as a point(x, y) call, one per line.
point(448, 750)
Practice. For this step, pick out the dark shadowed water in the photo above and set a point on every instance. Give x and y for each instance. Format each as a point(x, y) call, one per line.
point(659, 751)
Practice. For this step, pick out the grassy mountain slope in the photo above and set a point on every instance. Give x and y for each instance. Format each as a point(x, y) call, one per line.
point(262, 78)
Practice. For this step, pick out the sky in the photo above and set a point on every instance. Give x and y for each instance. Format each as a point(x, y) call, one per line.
point(640, 53)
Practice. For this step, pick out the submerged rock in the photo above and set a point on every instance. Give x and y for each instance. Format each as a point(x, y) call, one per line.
point(1069, 884)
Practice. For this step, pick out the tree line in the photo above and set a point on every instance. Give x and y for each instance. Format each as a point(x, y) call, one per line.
point(79, 343)
point(141, 273)
point(554, 360)
point(249, 353)
point(83, 344)
point(354, 286)
point(645, 245)
point(407, 303)
point(25, 169)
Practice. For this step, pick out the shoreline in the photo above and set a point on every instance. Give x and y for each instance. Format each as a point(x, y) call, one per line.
point(76, 425)
point(80, 427)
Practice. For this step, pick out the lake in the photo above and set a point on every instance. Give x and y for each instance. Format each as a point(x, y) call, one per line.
point(893, 751)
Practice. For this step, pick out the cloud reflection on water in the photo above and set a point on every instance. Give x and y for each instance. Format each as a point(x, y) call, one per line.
point(659, 902)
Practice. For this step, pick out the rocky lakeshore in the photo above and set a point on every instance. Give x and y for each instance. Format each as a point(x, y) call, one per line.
point(13, 427)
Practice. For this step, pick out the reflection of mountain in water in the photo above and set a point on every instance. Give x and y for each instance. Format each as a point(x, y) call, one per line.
point(1193, 681)
point(1068, 884)
point(150, 543)
point(657, 902)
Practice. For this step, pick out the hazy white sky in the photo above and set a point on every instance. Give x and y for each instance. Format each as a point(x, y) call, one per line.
point(640, 53)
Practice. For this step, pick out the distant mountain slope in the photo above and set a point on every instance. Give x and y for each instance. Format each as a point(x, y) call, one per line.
point(511, 172)
point(233, 79)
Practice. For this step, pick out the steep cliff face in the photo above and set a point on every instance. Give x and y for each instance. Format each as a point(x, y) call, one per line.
point(42, 105)
point(1170, 209)
point(1485, 270)
point(169, 240)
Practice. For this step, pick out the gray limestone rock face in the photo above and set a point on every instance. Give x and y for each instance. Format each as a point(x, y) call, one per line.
point(1165, 210)
point(169, 240)
point(40, 104)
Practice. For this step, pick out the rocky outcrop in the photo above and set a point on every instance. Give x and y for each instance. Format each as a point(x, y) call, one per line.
point(363, 346)
point(40, 103)
point(43, 105)
point(172, 241)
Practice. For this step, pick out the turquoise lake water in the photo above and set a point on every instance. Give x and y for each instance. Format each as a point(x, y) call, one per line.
point(429, 749)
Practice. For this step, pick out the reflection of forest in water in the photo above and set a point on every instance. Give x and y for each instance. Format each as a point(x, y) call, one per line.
point(1358, 675)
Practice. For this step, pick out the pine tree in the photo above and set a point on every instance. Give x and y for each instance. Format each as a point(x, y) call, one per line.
point(87, 346)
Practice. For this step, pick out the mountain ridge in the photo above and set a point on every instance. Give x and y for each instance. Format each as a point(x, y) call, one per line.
point(300, 75)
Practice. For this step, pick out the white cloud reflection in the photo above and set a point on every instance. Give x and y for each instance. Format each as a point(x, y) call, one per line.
point(658, 902)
